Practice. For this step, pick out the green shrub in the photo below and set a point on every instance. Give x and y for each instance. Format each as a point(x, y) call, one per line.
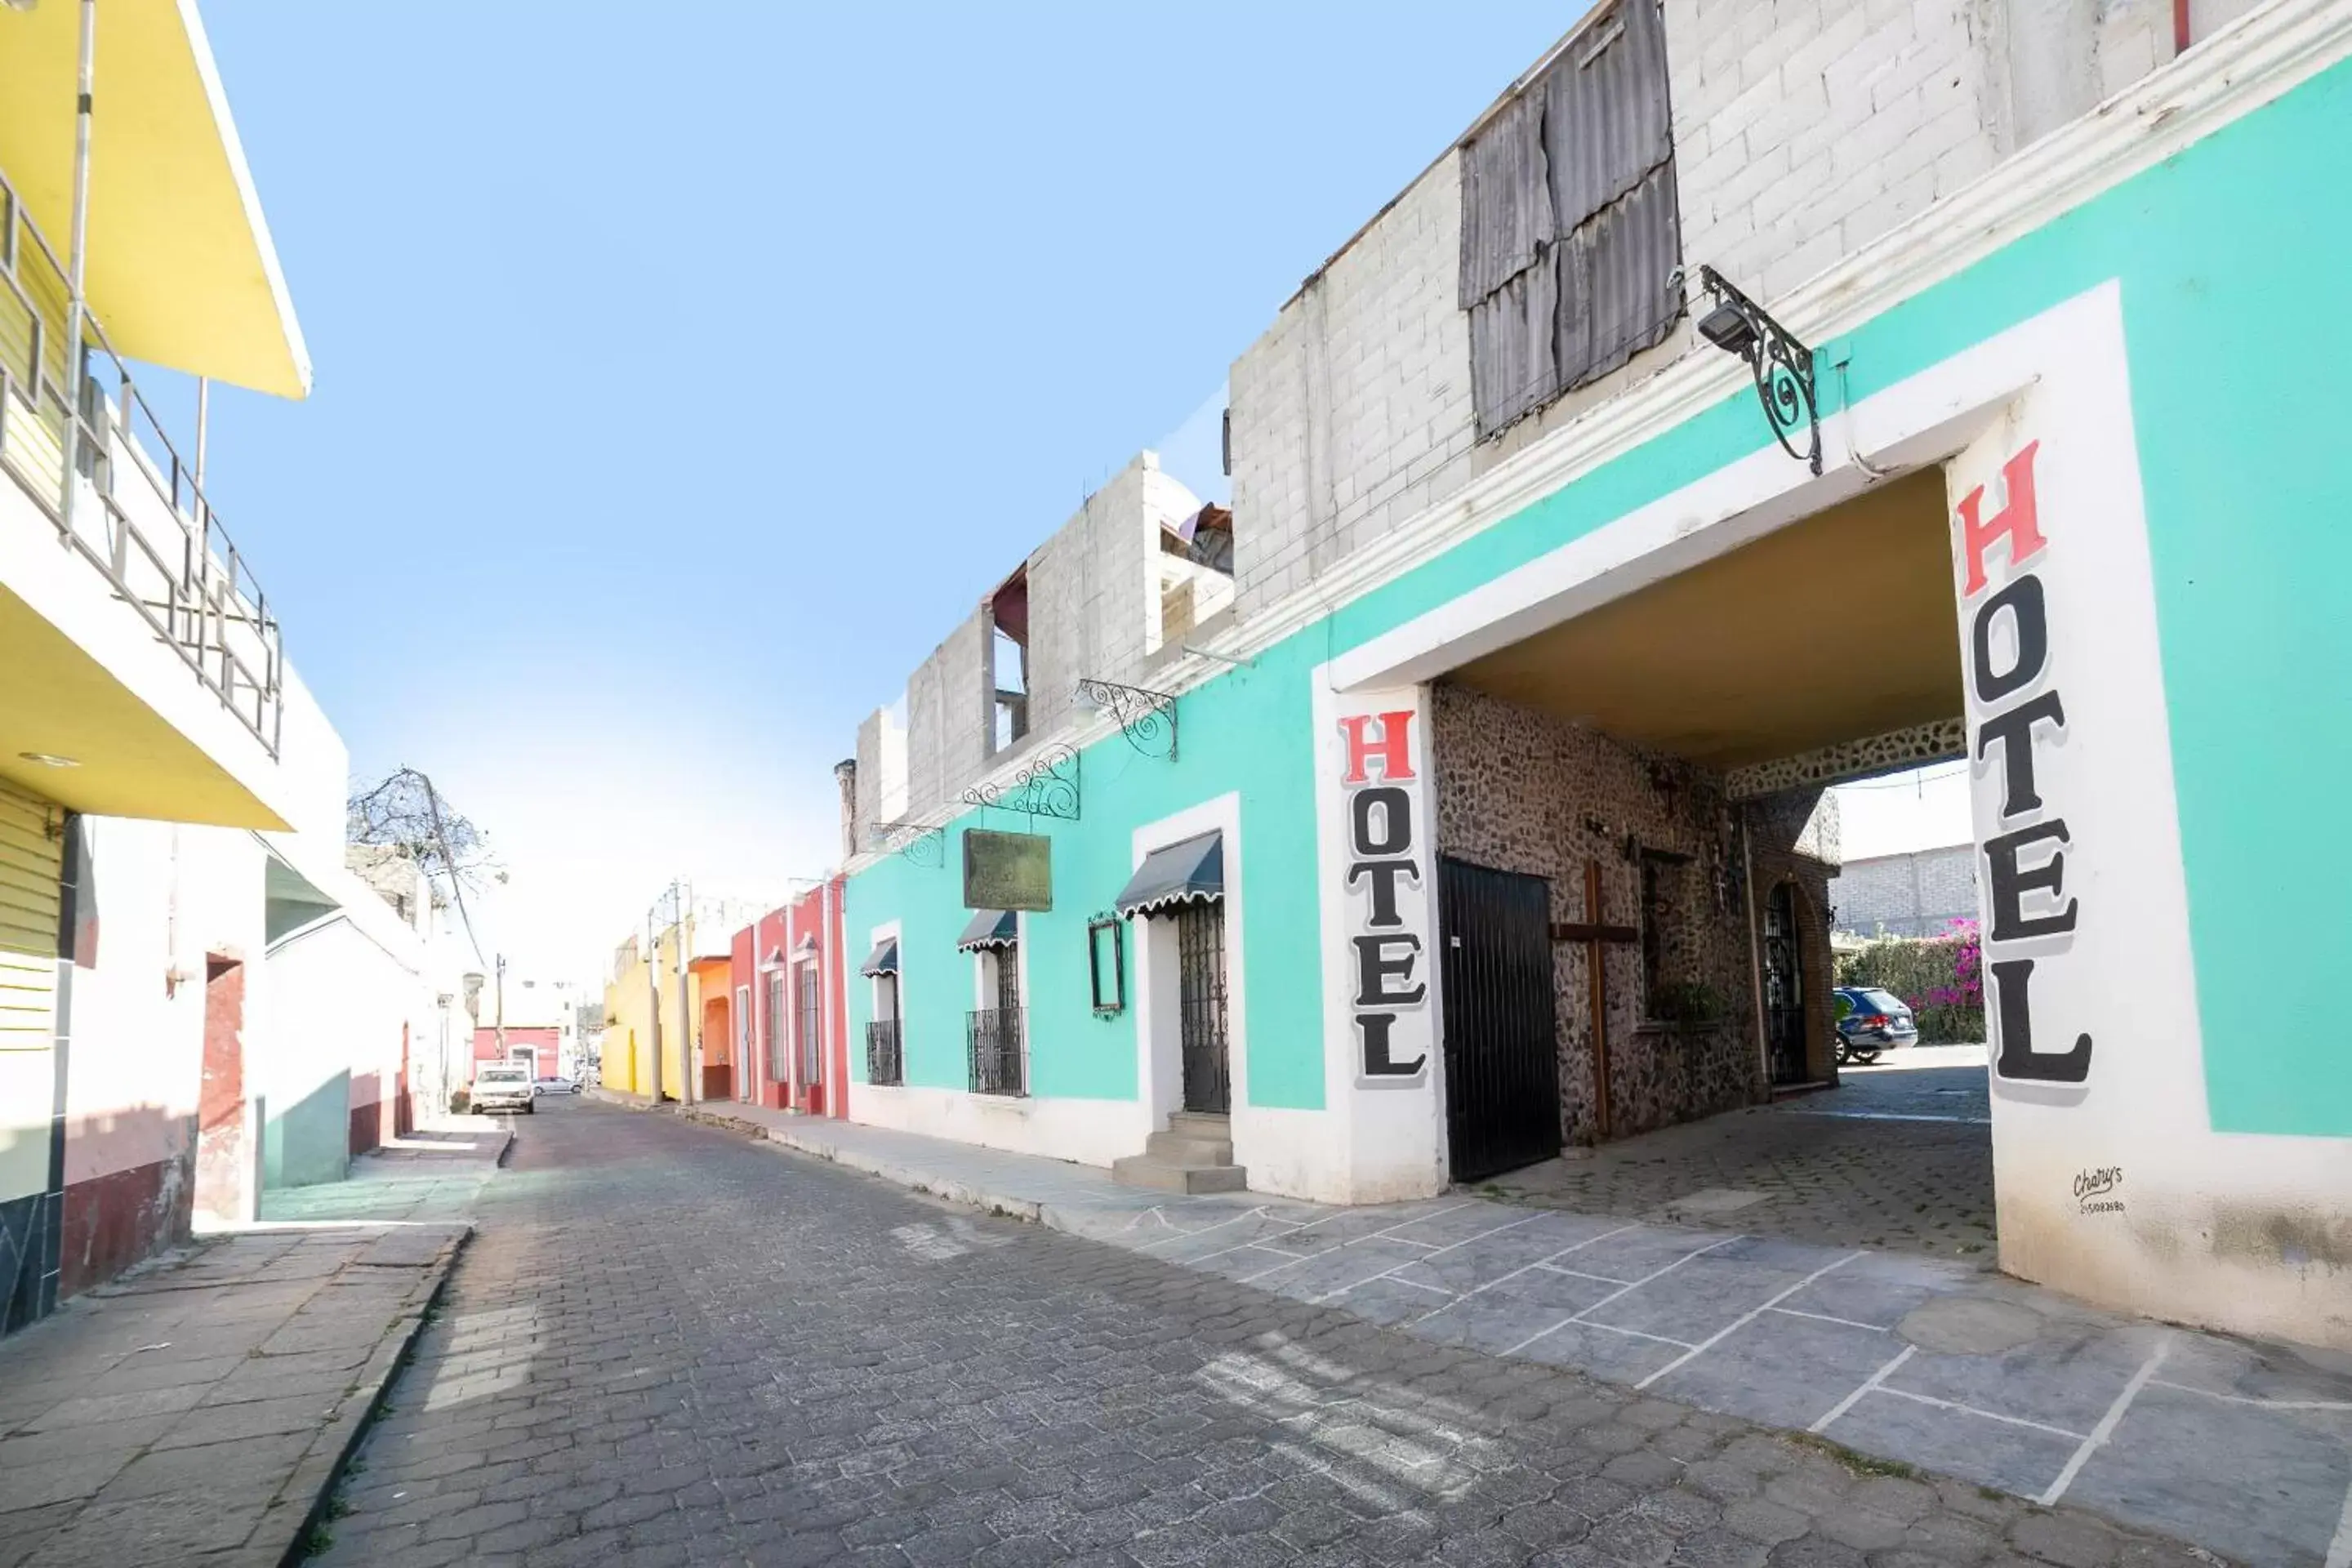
point(1938, 977)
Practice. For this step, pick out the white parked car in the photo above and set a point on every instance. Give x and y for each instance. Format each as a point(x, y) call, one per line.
point(499, 1087)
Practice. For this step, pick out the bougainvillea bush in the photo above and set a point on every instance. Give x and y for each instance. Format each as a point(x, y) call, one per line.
point(1942, 978)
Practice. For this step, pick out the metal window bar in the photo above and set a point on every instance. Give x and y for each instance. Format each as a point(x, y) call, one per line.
point(994, 1038)
point(886, 1059)
point(1200, 995)
point(142, 522)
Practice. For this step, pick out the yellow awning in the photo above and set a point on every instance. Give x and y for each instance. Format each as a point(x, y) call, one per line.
point(180, 269)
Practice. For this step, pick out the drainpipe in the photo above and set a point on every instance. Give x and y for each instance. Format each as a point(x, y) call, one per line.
point(827, 1010)
point(77, 254)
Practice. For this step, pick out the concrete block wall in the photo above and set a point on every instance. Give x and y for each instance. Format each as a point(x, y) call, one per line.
point(1917, 894)
point(926, 775)
point(1353, 413)
point(1805, 129)
point(1092, 587)
point(868, 799)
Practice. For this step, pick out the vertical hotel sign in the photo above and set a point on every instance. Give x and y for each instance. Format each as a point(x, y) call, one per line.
point(2031, 854)
point(1384, 798)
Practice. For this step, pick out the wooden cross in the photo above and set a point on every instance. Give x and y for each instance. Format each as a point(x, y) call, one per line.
point(1592, 932)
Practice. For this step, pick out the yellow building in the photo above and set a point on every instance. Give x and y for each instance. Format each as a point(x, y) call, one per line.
point(642, 1010)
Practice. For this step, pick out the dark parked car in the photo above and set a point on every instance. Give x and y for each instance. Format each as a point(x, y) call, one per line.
point(1871, 1020)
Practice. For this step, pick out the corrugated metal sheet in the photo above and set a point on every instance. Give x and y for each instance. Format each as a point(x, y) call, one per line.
point(1512, 368)
point(1616, 282)
point(1570, 233)
point(1605, 121)
point(1506, 216)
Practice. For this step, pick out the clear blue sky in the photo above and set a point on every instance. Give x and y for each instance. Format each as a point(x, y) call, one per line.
point(686, 370)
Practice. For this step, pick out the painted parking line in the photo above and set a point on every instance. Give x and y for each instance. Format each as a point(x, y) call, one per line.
point(1893, 1116)
point(1381, 1235)
point(1440, 1252)
point(1744, 1319)
point(1825, 1318)
point(1497, 1280)
point(1854, 1398)
point(2107, 1423)
point(1620, 1291)
point(1977, 1410)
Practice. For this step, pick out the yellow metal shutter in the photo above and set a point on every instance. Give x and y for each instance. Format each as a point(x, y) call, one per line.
point(31, 862)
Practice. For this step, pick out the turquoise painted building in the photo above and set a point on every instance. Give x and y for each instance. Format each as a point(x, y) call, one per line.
point(2108, 324)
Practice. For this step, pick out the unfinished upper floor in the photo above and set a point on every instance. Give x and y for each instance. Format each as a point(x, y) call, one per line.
point(1548, 258)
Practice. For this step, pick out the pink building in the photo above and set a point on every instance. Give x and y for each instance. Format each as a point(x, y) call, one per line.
point(540, 1042)
point(792, 1037)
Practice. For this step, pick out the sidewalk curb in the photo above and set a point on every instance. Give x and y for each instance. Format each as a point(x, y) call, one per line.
point(1028, 1209)
point(321, 1468)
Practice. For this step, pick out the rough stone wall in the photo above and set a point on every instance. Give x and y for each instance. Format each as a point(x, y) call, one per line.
point(1521, 790)
point(1353, 413)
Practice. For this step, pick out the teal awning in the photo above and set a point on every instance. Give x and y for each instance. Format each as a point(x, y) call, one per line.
point(884, 959)
point(1190, 872)
point(990, 928)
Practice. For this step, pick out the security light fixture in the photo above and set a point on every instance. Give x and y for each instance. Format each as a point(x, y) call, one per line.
point(1782, 367)
point(49, 759)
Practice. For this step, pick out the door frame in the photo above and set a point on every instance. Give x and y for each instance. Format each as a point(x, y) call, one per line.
point(1158, 995)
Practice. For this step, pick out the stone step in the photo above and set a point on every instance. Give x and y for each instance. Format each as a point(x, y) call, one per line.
point(1150, 1171)
point(1182, 1149)
point(1201, 1123)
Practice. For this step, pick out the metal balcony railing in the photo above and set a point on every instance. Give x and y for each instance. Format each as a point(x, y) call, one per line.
point(993, 1037)
point(91, 465)
point(885, 1061)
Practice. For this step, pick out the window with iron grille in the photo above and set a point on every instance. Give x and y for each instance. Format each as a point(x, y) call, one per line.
point(1571, 234)
point(993, 1034)
point(779, 1066)
point(885, 1058)
point(811, 1025)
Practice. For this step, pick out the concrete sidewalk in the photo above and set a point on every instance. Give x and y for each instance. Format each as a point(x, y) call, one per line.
point(2242, 1448)
point(198, 1409)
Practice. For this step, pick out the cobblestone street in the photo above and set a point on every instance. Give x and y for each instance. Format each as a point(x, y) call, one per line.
point(1899, 1155)
point(668, 1344)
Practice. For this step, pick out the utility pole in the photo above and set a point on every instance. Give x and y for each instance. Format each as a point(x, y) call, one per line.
point(688, 1092)
point(653, 992)
point(500, 1003)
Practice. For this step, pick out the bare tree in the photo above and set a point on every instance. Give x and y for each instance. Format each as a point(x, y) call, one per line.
point(406, 813)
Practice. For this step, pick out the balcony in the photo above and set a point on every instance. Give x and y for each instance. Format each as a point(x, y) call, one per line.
point(132, 510)
point(886, 1060)
point(993, 1036)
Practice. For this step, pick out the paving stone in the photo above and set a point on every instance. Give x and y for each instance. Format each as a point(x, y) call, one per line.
point(768, 1376)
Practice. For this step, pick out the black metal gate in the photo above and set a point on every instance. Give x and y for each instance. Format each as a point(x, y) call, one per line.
point(1784, 989)
point(1502, 1054)
point(1201, 992)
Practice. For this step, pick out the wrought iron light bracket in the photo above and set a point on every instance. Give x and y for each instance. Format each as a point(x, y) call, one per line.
point(1146, 718)
point(910, 841)
point(1048, 786)
point(1782, 367)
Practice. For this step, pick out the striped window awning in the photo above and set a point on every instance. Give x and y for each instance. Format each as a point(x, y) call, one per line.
point(882, 960)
